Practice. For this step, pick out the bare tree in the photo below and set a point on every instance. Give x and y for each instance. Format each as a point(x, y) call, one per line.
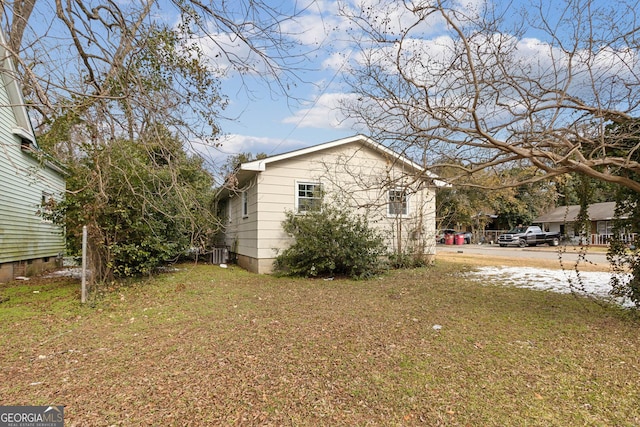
point(500, 85)
point(489, 84)
point(113, 85)
point(77, 56)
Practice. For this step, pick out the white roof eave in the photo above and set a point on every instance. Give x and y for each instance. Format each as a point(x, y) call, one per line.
point(261, 165)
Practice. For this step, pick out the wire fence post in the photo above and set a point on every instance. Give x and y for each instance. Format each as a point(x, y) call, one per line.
point(83, 297)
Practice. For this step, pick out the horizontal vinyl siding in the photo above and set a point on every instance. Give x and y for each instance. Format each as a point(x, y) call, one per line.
point(241, 232)
point(357, 175)
point(276, 196)
point(23, 233)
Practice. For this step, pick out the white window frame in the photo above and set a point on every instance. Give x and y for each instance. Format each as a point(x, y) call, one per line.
point(604, 227)
point(244, 202)
point(298, 198)
point(391, 203)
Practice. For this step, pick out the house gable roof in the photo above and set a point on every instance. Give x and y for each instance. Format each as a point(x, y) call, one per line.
point(247, 170)
point(24, 129)
point(262, 164)
point(597, 212)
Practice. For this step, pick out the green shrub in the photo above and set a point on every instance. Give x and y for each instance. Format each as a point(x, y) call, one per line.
point(144, 202)
point(411, 259)
point(330, 242)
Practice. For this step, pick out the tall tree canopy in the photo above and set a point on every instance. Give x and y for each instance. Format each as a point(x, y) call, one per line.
point(477, 196)
point(122, 93)
point(144, 203)
point(492, 83)
point(624, 250)
point(95, 70)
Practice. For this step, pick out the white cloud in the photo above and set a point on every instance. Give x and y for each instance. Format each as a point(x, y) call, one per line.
point(227, 53)
point(236, 143)
point(390, 18)
point(312, 29)
point(232, 144)
point(337, 61)
point(320, 23)
point(536, 68)
point(324, 113)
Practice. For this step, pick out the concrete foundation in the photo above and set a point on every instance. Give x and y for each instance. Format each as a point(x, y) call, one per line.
point(254, 265)
point(27, 268)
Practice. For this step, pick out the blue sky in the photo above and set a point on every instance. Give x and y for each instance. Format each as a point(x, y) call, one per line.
point(267, 121)
point(261, 119)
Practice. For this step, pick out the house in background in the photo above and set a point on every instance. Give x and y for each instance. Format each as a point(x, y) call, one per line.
point(561, 220)
point(29, 182)
point(394, 193)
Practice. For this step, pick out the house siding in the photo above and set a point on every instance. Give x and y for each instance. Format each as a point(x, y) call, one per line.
point(354, 174)
point(25, 238)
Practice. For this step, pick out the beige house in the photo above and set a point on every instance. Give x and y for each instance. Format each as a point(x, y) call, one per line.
point(396, 195)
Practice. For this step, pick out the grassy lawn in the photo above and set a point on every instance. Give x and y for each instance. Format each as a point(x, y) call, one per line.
point(211, 346)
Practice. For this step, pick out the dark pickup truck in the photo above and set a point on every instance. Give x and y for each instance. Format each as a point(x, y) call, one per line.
point(528, 236)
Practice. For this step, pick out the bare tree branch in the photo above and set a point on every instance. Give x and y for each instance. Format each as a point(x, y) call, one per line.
point(483, 88)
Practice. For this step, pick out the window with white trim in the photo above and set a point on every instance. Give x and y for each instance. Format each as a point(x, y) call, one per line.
point(245, 204)
point(308, 196)
point(398, 203)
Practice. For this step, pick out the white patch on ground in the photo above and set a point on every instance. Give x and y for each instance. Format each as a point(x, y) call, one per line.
point(588, 283)
point(75, 272)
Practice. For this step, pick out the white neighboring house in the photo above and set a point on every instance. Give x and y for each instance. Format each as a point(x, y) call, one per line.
point(396, 195)
point(28, 181)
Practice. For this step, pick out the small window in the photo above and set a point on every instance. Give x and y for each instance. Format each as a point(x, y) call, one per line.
point(308, 197)
point(398, 204)
point(47, 205)
point(245, 205)
point(605, 227)
point(224, 210)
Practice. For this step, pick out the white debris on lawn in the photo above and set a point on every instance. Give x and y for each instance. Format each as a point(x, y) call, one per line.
point(68, 272)
point(590, 283)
